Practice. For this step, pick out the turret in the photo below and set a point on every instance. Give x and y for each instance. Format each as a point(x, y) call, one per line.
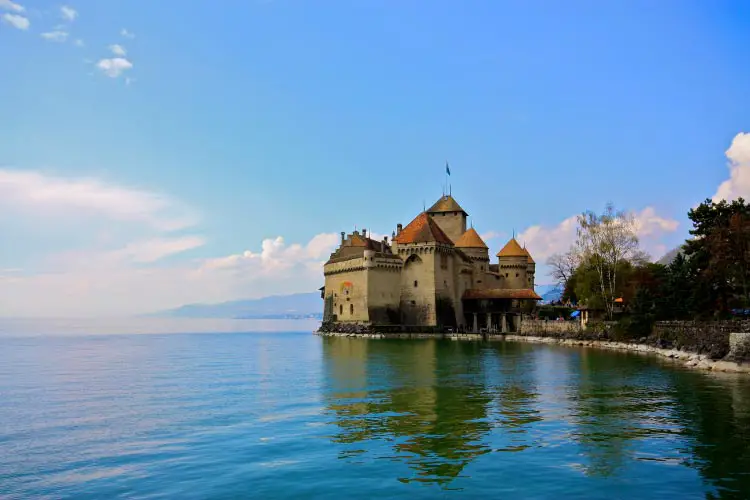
point(513, 264)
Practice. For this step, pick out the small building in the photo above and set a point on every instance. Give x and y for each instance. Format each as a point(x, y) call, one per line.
point(434, 272)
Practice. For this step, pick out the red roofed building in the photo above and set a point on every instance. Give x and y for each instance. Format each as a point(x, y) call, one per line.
point(434, 272)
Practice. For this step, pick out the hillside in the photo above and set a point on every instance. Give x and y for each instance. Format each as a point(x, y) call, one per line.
point(299, 305)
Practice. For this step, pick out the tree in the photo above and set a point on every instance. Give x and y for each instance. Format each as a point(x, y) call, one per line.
point(563, 266)
point(719, 256)
point(605, 241)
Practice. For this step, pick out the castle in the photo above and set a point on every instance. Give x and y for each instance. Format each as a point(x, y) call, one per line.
point(434, 272)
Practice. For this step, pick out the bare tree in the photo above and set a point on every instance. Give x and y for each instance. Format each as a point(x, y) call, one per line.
point(605, 241)
point(563, 266)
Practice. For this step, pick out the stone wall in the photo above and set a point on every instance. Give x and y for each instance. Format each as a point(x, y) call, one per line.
point(565, 329)
point(702, 337)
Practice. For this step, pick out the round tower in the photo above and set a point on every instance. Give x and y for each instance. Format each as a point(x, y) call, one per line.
point(369, 258)
point(513, 265)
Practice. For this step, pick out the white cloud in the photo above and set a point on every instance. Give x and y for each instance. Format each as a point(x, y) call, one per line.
point(16, 21)
point(55, 36)
point(127, 34)
point(117, 49)
point(129, 81)
point(78, 43)
point(543, 242)
point(109, 247)
point(29, 191)
point(738, 184)
point(491, 235)
point(68, 13)
point(121, 281)
point(114, 67)
point(9, 5)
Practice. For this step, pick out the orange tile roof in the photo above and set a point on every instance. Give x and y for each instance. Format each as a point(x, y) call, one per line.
point(422, 230)
point(470, 239)
point(530, 260)
point(446, 204)
point(501, 293)
point(512, 249)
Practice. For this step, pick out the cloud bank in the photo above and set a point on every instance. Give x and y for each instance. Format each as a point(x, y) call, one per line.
point(738, 184)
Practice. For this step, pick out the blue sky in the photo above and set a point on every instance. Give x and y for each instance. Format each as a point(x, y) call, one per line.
point(147, 144)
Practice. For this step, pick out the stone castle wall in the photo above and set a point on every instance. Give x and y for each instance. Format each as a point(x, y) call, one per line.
point(418, 288)
point(351, 306)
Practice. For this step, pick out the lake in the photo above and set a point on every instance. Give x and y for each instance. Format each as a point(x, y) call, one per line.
point(292, 415)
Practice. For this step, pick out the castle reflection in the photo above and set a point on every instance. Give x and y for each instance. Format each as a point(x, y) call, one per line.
point(432, 409)
point(437, 407)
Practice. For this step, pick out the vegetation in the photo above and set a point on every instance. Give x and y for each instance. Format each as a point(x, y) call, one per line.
point(709, 279)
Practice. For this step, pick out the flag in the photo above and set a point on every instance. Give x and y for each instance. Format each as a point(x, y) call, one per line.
point(447, 169)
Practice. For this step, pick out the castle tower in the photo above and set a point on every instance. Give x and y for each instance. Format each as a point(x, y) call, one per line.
point(530, 268)
point(513, 265)
point(476, 249)
point(449, 215)
point(427, 295)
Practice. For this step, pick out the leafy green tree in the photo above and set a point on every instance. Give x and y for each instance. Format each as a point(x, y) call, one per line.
point(606, 241)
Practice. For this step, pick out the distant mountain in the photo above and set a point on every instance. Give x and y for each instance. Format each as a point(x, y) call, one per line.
point(670, 256)
point(549, 293)
point(299, 305)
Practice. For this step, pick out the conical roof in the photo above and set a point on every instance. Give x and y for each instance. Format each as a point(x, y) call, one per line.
point(446, 204)
point(423, 229)
point(530, 260)
point(470, 239)
point(512, 249)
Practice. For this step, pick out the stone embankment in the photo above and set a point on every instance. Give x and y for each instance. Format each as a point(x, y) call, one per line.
point(715, 345)
point(719, 346)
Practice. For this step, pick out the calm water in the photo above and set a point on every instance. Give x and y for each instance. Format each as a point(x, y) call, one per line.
point(292, 415)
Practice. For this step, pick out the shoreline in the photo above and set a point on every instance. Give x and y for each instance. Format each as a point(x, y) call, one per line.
point(690, 359)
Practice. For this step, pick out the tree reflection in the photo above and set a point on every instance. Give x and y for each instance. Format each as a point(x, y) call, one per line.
point(614, 399)
point(431, 409)
point(716, 410)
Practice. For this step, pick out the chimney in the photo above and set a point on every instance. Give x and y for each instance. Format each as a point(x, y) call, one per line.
point(399, 227)
point(342, 237)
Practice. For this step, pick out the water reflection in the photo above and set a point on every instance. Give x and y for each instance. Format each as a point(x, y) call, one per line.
point(445, 409)
point(426, 409)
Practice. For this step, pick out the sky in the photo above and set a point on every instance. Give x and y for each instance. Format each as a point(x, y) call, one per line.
point(154, 154)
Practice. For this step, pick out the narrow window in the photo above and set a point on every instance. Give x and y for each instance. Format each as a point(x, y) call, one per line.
point(341, 309)
point(414, 302)
point(415, 283)
point(351, 309)
point(506, 275)
point(516, 275)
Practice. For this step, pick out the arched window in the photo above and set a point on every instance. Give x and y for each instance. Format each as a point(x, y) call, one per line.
point(416, 283)
point(351, 309)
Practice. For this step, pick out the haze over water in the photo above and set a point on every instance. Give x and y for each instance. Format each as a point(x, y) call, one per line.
point(292, 415)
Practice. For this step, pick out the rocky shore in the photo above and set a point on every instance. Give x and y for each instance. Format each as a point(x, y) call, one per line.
point(709, 349)
point(689, 359)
